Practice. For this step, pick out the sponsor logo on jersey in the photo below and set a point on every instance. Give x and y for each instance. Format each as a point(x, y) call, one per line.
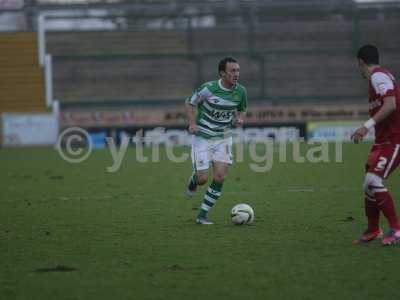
point(221, 115)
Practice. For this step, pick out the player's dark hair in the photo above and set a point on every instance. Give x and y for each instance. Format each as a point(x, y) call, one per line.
point(222, 63)
point(369, 54)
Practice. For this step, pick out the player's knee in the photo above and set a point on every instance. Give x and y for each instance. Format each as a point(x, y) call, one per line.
point(372, 182)
point(219, 177)
point(202, 179)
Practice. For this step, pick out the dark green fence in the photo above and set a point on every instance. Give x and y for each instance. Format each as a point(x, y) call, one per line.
point(287, 54)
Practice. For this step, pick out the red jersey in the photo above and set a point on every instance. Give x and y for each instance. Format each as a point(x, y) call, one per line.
point(382, 84)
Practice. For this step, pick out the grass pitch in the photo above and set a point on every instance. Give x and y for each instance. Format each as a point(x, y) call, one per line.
point(78, 232)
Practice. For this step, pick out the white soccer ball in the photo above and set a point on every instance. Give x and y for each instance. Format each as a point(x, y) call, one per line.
point(242, 214)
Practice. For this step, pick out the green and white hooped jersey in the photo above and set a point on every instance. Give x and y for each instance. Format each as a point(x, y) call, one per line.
point(216, 108)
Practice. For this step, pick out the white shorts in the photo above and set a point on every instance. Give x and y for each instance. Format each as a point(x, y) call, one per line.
point(205, 151)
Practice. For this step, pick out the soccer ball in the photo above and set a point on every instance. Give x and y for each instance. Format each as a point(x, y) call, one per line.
point(242, 214)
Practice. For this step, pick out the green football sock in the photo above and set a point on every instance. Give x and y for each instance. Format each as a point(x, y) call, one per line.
point(210, 197)
point(194, 179)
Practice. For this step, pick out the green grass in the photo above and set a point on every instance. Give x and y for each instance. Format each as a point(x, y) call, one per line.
point(131, 234)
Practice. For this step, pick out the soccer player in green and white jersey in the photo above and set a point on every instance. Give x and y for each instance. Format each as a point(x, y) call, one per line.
point(212, 111)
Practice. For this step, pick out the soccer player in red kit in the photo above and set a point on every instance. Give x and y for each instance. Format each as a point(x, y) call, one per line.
point(384, 157)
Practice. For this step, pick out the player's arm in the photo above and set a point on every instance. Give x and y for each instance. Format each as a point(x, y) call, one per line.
point(241, 113)
point(191, 107)
point(383, 86)
point(191, 117)
point(239, 119)
point(389, 105)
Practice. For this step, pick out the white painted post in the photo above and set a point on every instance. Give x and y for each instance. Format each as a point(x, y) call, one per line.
point(48, 72)
point(41, 39)
point(56, 107)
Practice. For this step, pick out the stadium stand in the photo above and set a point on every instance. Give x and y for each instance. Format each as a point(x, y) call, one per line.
point(124, 79)
point(116, 42)
point(290, 51)
point(21, 77)
point(296, 54)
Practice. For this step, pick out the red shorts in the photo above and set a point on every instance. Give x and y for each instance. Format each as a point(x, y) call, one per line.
point(383, 159)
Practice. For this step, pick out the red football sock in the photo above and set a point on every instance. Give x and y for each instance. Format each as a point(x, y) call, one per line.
point(386, 204)
point(372, 213)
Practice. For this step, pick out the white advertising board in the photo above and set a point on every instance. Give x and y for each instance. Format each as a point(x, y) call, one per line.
point(335, 131)
point(34, 129)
